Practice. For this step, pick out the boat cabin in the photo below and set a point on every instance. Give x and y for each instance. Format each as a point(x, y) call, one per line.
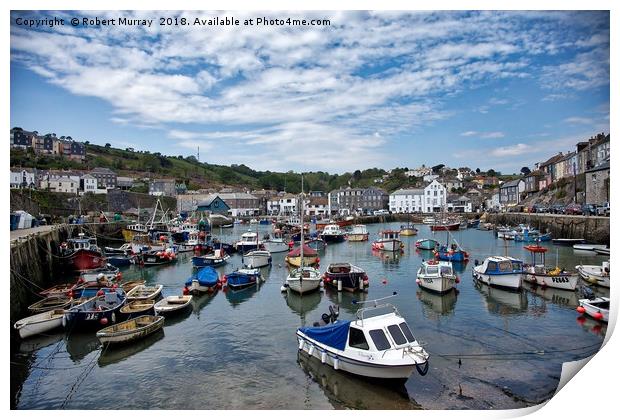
point(332, 230)
point(390, 234)
point(249, 237)
point(436, 268)
point(359, 230)
point(502, 265)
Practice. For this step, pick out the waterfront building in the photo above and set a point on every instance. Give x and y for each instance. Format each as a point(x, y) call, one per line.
point(106, 178)
point(241, 204)
point(163, 187)
point(285, 205)
point(493, 203)
point(549, 166)
point(61, 183)
point(510, 192)
point(124, 182)
point(451, 183)
point(532, 181)
point(23, 178)
point(315, 206)
point(435, 197)
point(597, 184)
point(88, 184)
point(407, 201)
point(459, 204)
point(212, 204)
point(357, 200)
point(593, 152)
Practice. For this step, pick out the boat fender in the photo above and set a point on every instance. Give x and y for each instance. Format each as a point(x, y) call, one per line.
point(323, 356)
point(311, 350)
point(384, 281)
point(422, 370)
point(103, 321)
point(301, 343)
point(580, 309)
point(598, 316)
point(336, 363)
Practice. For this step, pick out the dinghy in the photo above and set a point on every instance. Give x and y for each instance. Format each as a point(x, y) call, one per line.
point(345, 276)
point(172, 304)
point(39, 323)
point(597, 308)
point(144, 292)
point(380, 346)
point(243, 277)
point(595, 274)
point(426, 244)
point(256, 259)
point(97, 311)
point(131, 330)
point(205, 280)
point(127, 286)
point(50, 303)
point(136, 308)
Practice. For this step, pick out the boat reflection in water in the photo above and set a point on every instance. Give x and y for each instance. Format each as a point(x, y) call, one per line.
point(199, 302)
point(435, 304)
point(79, 344)
point(114, 354)
point(563, 298)
point(349, 391)
point(237, 297)
point(502, 301)
point(301, 304)
point(459, 266)
point(38, 342)
point(389, 258)
point(345, 300)
point(591, 325)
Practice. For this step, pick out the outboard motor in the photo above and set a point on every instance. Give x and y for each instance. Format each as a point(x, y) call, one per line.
point(587, 293)
point(328, 318)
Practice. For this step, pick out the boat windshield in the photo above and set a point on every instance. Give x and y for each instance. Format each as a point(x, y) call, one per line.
point(380, 340)
point(357, 339)
point(432, 269)
point(505, 266)
point(446, 271)
point(516, 266)
point(397, 334)
point(407, 331)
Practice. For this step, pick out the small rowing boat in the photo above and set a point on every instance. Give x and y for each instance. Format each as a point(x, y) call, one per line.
point(144, 292)
point(131, 330)
point(172, 304)
point(39, 323)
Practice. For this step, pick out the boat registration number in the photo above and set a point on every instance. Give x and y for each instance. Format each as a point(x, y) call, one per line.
point(559, 279)
point(92, 317)
point(150, 259)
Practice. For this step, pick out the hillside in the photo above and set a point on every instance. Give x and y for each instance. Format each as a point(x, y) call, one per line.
point(198, 175)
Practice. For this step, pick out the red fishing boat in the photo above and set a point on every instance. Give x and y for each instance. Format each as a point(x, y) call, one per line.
point(446, 226)
point(82, 253)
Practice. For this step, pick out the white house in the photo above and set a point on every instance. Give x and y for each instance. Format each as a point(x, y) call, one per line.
point(493, 202)
point(406, 201)
point(60, 184)
point(316, 206)
point(434, 197)
point(23, 178)
point(88, 183)
point(430, 177)
point(285, 205)
point(460, 204)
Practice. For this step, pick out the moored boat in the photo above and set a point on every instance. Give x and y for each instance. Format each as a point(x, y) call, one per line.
point(564, 241)
point(358, 233)
point(538, 273)
point(499, 272)
point(310, 256)
point(317, 244)
point(173, 304)
point(595, 274)
point(248, 242)
point(205, 280)
point(107, 272)
point(130, 330)
point(243, 277)
point(602, 250)
point(389, 240)
point(362, 346)
point(597, 308)
point(332, 233)
point(57, 290)
point(142, 292)
point(446, 226)
point(82, 253)
point(454, 253)
point(276, 243)
point(39, 323)
point(50, 303)
point(136, 308)
point(408, 230)
point(128, 285)
point(426, 244)
point(218, 258)
point(151, 258)
point(436, 276)
point(97, 311)
point(345, 276)
point(304, 280)
point(256, 259)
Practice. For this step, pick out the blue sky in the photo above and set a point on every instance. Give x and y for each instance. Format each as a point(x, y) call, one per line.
point(496, 90)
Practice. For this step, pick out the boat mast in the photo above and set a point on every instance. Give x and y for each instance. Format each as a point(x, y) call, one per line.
point(301, 222)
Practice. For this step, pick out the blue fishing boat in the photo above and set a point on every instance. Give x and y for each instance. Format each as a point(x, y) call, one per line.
point(219, 257)
point(264, 222)
point(243, 277)
point(98, 311)
point(454, 253)
point(205, 280)
point(119, 261)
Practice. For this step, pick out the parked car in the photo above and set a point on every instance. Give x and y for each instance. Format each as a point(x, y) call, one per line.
point(381, 212)
point(603, 210)
point(557, 209)
point(589, 209)
point(573, 208)
point(541, 208)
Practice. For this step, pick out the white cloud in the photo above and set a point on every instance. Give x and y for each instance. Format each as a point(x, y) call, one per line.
point(578, 120)
point(469, 133)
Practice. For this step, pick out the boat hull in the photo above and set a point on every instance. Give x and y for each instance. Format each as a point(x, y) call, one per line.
point(507, 281)
point(85, 259)
point(296, 261)
point(592, 310)
point(275, 246)
point(170, 305)
point(453, 226)
point(209, 262)
point(304, 285)
point(357, 237)
point(563, 281)
point(594, 274)
point(119, 335)
point(256, 261)
point(353, 366)
point(426, 244)
point(39, 323)
point(328, 238)
point(441, 285)
point(387, 245)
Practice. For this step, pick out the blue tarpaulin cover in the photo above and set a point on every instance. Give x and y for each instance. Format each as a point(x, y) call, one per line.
point(333, 335)
point(207, 277)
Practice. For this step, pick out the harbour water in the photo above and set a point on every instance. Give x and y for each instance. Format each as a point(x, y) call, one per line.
point(490, 348)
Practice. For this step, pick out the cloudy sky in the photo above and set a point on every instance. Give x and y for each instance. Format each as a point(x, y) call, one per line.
point(373, 89)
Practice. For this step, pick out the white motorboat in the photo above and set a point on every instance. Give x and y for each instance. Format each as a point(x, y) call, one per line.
point(587, 247)
point(276, 244)
point(500, 272)
point(380, 346)
point(332, 233)
point(256, 259)
point(389, 240)
point(304, 279)
point(428, 220)
point(436, 276)
point(595, 274)
point(39, 323)
point(358, 233)
point(172, 304)
point(597, 308)
point(249, 241)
